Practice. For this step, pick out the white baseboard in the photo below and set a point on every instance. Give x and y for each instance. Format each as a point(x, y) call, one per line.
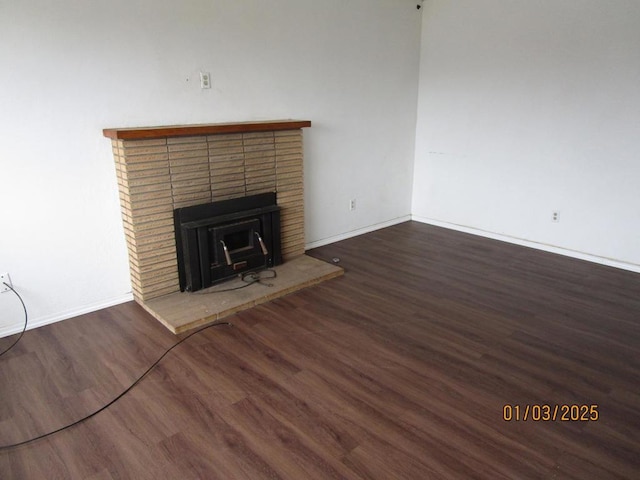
point(610, 262)
point(46, 320)
point(355, 233)
point(49, 319)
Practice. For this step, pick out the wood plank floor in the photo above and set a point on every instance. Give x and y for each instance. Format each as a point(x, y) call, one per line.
point(398, 370)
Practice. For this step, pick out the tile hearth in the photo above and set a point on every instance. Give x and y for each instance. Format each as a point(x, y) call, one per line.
point(181, 312)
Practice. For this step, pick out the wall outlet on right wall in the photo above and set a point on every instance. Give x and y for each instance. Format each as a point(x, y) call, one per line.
point(555, 216)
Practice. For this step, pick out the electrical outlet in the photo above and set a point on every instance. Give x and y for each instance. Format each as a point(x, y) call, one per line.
point(555, 216)
point(4, 278)
point(205, 80)
point(352, 204)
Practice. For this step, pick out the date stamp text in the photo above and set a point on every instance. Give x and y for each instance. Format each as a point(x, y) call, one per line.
point(550, 413)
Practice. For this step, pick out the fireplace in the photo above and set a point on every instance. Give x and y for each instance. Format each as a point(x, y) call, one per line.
point(219, 240)
point(161, 169)
point(205, 193)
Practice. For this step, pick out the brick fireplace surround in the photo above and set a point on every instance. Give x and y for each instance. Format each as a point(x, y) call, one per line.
point(163, 168)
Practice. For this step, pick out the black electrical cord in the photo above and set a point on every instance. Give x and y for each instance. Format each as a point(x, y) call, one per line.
point(26, 319)
point(104, 407)
point(253, 276)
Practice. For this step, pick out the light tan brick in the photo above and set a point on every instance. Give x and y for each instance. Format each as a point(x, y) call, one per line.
point(216, 150)
point(254, 135)
point(155, 293)
point(142, 196)
point(289, 157)
point(287, 187)
point(289, 172)
point(145, 264)
point(143, 150)
point(230, 170)
point(259, 185)
point(289, 152)
point(159, 248)
point(201, 153)
point(159, 245)
point(150, 275)
point(204, 188)
point(145, 189)
point(157, 287)
point(292, 242)
point(288, 133)
point(154, 172)
point(149, 180)
point(155, 157)
point(289, 178)
point(256, 171)
point(219, 168)
point(192, 199)
point(288, 142)
point(160, 208)
point(151, 142)
point(296, 238)
point(152, 235)
point(197, 139)
point(225, 143)
point(226, 158)
point(223, 137)
point(152, 223)
point(179, 185)
point(290, 195)
point(145, 166)
point(156, 267)
point(180, 162)
point(190, 167)
point(260, 160)
point(188, 175)
point(229, 177)
point(260, 155)
point(293, 215)
point(262, 182)
point(259, 148)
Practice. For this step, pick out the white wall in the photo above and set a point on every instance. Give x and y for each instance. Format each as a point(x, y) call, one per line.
point(529, 107)
point(71, 68)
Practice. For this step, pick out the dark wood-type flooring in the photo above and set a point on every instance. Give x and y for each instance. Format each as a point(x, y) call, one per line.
point(398, 370)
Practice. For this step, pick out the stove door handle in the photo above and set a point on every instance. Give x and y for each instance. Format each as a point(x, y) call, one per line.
point(226, 253)
point(265, 252)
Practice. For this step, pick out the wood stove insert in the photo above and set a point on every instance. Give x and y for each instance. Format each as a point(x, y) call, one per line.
point(219, 240)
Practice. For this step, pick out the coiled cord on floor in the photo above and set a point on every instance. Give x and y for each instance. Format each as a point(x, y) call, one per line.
point(104, 407)
point(249, 278)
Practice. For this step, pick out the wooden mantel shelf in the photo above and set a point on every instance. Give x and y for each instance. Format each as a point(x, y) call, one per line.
point(141, 133)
